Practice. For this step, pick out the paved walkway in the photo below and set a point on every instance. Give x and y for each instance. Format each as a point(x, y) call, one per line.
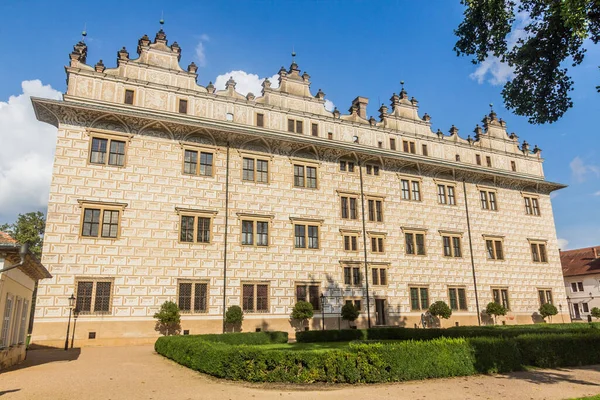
point(131, 373)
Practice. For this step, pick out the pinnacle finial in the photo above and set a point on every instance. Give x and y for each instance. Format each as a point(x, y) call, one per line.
point(293, 54)
point(491, 107)
point(162, 19)
point(83, 33)
point(402, 83)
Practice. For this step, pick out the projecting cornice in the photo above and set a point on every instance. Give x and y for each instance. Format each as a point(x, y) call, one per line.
point(139, 121)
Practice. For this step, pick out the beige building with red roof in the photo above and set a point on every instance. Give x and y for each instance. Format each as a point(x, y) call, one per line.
point(581, 269)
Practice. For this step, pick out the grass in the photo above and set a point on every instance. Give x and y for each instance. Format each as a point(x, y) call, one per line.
point(306, 346)
point(596, 397)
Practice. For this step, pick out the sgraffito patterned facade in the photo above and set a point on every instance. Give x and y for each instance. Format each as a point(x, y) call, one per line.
point(161, 187)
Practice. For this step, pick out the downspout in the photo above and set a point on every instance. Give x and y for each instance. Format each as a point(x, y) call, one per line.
point(471, 252)
point(362, 200)
point(22, 253)
point(225, 238)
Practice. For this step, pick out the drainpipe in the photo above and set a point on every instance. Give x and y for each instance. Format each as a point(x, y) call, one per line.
point(225, 238)
point(22, 253)
point(362, 200)
point(471, 251)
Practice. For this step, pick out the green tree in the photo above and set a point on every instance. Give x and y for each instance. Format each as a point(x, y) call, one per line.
point(440, 310)
point(29, 228)
point(168, 319)
point(350, 312)
point(494, 309)
point(303, 311)
point(234, 317)
point(548, 310)
point(538, 39)
point(595, 312)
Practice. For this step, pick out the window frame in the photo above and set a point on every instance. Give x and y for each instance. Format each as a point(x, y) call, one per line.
point(494, 241)
point(305, 165)
point(193, 282)
point(349, 196)
point(314, 129)
point(452, 245)
point(411, 182)
point(409, 146)
point(259, 117)
point(94, 280)
point(545, 294)
point(307, 223)
point(255, 284)
point(531, 202)
point(488, 161)
point(109, 137)
point(450, 193)
point(102, 207)
point(393, 144)
point(181, 101)
point(353, 301)
point(132, 91)
point(503, 301)
point(255, 159)
point(297, 123)
point(491, 198)
point(380, 242)
point(419, 290)
point(537, 245)
point(414, 232)
point(187, 212)
point(379, 268)
point(199, 151)
point(355, 272)
point(372, 209)
point(255, 219)
point(350, 234)
point(459, 305)
point(307, 298)
point(424, 150)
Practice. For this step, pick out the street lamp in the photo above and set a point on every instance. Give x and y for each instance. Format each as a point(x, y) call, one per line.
point(71, 305)
point(322, 312)
point(75, 315)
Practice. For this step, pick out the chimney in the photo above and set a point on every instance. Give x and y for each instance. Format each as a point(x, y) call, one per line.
point(361, 104)
point(595, 250)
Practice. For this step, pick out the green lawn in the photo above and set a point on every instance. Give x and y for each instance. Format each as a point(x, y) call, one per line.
point(596, 397)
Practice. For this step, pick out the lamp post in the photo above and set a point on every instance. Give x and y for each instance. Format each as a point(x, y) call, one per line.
point(75, 315)
point(562, 317)
point(322, 312)
point(71, 304)
point(570, 308)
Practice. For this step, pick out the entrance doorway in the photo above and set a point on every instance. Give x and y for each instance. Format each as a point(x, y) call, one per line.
point(577, 315)
point(380, 317)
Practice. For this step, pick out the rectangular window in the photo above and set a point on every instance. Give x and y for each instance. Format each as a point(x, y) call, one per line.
point(255, 297)
point(191, 165)
point(409, 147)
point(494, 249)
point(348, 205)
point(193, 297)
point(513, 166)
point(379, 276)
point(375, 208)
point(8, 308)
point(424, 147)
point(115, 148)
point(100, 222)
point(255, 170)
point(500, 296)
point(314, 129)
point(183, 104)
point(350, 242)
point(380, 144)
point(488, 161)
point(532, 206)
point(377, 244)
point(457, 157)
point(330, 135)
point(355, 302)
point(260, 120)
point(294, 126)
point(305, 176)
point(194, 229)
point(452, 247)
point(309, 293)
point(94, 297)
point(545, 296)
point(415, 243)
point(446, 194)
point(411, 190)
point(478, 159)
point(585, 307)
point(249, 228)
point(458, 299)
point(488, 200)
point(346, 166)
point(538, 252)
point(419, 298)
point(392, 144)
point(23, 324)
point(372, 169)
point(352, 276)
point(306, 236)
point(129, 96)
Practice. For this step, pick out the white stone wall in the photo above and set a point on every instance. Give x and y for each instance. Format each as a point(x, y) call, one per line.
point(590, 294)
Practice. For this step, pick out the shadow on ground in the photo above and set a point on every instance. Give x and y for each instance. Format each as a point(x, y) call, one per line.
point(553, 376)
point(44, 355)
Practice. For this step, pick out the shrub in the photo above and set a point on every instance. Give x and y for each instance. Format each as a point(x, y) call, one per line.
point(350, 312)
point(168, 319)
point(441, 310)
point(494, 309)
point(234, 317)
point(548, 310)
point(552, 351)
point(595, 312)
point(303, 311)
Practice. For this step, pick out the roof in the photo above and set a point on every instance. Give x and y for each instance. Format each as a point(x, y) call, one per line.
point(32, 265)
point(585, 261)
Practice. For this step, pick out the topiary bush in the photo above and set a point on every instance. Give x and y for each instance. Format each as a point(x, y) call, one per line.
point(495, 309)
point(302, 312)
point(595, 312)
point(440, 310)
point(350, 312)
point(168, 319)
point(234, 317)
point(548, 310)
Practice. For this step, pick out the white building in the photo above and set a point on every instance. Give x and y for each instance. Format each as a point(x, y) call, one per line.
point(581, 269)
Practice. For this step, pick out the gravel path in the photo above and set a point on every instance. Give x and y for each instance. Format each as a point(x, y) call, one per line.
point(137, 372)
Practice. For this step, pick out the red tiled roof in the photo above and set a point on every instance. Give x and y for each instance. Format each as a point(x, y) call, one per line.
point(5, 238)
point(584, 261)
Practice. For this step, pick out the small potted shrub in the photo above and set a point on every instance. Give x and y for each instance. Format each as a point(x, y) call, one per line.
point(495, 309)
point(168, 319)
point(302, 312)
point(595, 312)
point(441, 310)
point(548, 310)
point(234, 317)
point(350, 313)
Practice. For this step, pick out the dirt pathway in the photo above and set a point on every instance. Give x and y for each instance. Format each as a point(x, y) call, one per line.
point(134, 373)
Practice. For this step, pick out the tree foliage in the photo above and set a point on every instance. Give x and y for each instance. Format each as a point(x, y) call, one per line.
point(548, 310)
point(495, 309)
point(234, 316)
point(595, 312)
point(350, 312)
point(28, 228)
point(538, 39)
point(302, 311)
point(440, 309)
point(168, 319)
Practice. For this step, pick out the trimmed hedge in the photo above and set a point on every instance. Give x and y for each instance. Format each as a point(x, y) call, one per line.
point(346, 335)
point(255, 338)
point(381, 362)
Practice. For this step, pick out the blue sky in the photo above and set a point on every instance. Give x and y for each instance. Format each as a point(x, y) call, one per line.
point(349, 48)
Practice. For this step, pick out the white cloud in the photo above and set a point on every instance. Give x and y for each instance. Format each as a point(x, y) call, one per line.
point(26, 154)
point(492, 68)
point(554, 195)
point(329, 106)
point(597, 193)
point(201, 50)
point(580, 170)
point(563, 244)
point(244, 82)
